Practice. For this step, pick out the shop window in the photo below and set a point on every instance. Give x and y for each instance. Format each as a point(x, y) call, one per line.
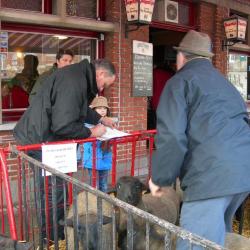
point(15, 47)
point(79, 8)
point(33, 5)
point(87, 8)
point(237, 72)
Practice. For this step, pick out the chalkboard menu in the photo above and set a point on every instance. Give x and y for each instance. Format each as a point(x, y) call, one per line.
point(142, 68)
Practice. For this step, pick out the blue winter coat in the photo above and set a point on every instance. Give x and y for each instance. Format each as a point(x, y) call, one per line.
point(103, 159)
point(203, 134)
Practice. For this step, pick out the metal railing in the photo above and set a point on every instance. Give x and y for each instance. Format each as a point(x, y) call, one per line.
point(32, 215)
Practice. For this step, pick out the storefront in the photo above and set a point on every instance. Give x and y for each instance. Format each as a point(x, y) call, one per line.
point(94, 29)
point(40, 29)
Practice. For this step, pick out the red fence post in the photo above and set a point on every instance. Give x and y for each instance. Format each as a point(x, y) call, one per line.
point(132, 172)
point(1, 201)
point(9, 202)
point(20, 207)
point(94, 160)
point(114, 157)
point(70, 190)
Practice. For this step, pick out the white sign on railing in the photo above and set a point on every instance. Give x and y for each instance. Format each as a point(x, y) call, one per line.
point(62, 157)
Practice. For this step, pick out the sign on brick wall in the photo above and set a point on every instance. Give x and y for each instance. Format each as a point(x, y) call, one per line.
point(142, 68)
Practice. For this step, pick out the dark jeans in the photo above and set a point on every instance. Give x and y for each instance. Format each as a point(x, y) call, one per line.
point(102, 179)
point(40, 196)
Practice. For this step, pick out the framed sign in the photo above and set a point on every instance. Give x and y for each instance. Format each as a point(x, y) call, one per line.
point(142, 68)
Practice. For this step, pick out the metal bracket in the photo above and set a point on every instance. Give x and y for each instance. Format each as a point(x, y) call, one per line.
point(225, 44)
point(136, 27)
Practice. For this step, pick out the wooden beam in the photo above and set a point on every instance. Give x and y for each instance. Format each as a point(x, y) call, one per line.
point(28, 17)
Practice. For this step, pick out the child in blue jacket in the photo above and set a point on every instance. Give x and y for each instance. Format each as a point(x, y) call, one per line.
point(103, 150)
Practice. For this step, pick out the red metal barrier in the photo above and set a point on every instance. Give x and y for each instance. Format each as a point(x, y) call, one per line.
point(125, 152)
point(8, 196)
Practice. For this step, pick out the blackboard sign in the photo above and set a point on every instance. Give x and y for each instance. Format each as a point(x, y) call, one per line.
point(142, 69)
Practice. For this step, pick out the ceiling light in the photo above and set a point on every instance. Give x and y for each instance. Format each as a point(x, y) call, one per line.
point(60, 37)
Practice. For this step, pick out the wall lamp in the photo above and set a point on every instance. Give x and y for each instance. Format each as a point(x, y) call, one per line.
point(139, 12)
point(235, 29)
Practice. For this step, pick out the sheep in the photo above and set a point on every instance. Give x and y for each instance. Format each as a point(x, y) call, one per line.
point(166, 207)
point(9, 244)
point(129, 189)
point(92, 212)
point(237, 242)
point(139, 240)
point(91, 226)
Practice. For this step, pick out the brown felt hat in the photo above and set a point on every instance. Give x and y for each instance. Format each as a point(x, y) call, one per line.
point(196, 43)
point(99, 101)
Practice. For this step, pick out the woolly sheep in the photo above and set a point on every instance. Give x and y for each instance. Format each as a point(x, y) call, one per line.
point(92, 210)
point(92, 228)
point(8, 243)
point(129, 189)
point(237, 242)
point(165, 207)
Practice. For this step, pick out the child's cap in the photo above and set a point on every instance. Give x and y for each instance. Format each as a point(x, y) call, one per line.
point(99, 101)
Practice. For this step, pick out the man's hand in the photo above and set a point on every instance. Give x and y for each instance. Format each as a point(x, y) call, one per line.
point(155, 190)
point(109, 122)
point(97, 130)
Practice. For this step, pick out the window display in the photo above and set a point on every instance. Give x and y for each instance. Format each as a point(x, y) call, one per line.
point(25, 56)
point(237, 72)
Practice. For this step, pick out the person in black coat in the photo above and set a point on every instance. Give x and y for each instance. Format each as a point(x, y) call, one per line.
point(61, 105)
point(58, 112)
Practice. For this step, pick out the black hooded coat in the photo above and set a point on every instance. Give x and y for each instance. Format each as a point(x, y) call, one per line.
point(60, 107)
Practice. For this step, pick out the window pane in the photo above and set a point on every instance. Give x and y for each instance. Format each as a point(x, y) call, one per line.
point(34, 5)
point(184, 14)
point(237, 72)
point(14, 50)
point(86, 8)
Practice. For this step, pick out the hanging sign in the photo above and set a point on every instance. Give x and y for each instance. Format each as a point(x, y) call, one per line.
point(139, 10)
point(142, 68)
point(235, 28)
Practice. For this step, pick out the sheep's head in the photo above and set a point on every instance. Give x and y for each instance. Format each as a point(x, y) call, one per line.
point(129, 189)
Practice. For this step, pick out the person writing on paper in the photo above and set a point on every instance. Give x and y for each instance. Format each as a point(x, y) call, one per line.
point(103, 150)
point(58, 112)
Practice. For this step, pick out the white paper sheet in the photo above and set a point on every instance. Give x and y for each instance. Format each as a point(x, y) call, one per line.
point(112, 133)
point(62, 157)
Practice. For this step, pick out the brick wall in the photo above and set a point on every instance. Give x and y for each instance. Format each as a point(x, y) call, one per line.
point(132, 111)
point(6, 139)
point(210, 20)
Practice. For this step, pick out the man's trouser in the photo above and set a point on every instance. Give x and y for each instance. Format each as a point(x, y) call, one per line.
point(40, 193)
point(210, 218)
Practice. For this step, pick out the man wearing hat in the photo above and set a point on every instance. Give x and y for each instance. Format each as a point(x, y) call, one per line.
point(204, 139)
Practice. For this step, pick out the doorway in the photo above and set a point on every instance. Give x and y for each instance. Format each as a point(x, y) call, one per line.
point(164, 66)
